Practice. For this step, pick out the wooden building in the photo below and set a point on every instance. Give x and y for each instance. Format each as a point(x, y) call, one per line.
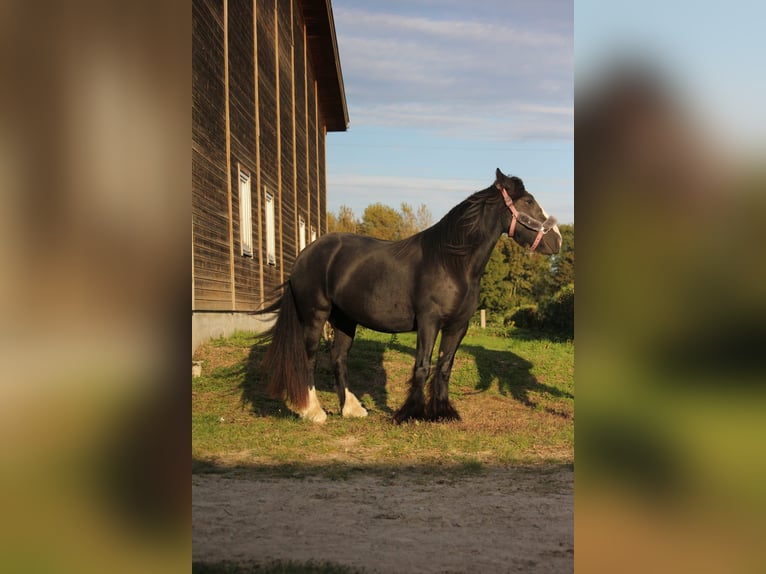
point(266, 88)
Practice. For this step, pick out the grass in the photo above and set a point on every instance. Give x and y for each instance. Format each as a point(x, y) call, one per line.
point(516, 398)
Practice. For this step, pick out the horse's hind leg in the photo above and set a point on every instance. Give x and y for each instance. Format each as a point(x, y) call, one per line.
point(344, 337)
point(312, 332)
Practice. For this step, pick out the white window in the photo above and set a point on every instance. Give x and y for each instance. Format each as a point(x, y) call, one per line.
point(245, 215)
point(313, 234)
point(301, 233)
point(271, 236)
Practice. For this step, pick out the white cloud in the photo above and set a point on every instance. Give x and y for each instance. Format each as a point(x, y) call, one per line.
point(486, 78)
point(498, 122)
point(394, 25)
point(493, 80)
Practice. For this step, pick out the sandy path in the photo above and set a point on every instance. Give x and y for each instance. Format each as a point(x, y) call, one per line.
point(501, 520)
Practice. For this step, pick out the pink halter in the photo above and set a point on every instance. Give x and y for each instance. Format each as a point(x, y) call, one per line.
point(515, 216)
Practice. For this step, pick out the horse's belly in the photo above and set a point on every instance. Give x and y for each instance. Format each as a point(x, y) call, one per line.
point(380, 310)
point(391, 323)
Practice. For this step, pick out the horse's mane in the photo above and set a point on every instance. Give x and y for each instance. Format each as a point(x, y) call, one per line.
point(458, 233)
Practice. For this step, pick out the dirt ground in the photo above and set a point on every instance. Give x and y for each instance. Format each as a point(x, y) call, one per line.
point(496, 520)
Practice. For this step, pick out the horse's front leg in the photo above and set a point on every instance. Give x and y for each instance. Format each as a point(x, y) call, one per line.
point(415, 405)
point(439, 405)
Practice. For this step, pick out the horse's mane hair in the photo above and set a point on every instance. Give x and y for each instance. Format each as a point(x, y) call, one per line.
point(459, 232)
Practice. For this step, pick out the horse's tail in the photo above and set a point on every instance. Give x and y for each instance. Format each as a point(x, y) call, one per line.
point(285, 361)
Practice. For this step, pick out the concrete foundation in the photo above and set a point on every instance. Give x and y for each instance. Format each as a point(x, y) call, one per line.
point(211, 325)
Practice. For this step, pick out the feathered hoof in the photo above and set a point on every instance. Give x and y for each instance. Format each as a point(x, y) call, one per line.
point(409, 412)
point(442, 411)
point(314, 411)
point(355, 412)
point(314, 415)
point(352, 408)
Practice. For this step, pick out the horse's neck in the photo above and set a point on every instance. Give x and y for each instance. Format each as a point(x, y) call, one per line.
point(479, 257)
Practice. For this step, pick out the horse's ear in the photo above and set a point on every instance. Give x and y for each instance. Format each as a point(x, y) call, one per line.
point(500, 179)
point(513, 185)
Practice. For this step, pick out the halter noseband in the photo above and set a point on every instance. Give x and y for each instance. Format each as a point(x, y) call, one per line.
point(526, 221)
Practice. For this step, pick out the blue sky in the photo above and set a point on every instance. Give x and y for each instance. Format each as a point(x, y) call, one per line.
point(440, 93)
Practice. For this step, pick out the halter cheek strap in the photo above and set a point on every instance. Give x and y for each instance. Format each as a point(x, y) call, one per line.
point(512, 208)
point(515, 216)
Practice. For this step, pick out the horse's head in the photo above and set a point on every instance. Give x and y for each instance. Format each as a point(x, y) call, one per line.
point(527, 222)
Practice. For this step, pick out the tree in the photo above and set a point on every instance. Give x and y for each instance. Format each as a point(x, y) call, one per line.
point(409, 221)
point(381, 221)
point(414, 222)
point(423, 218)
point(332, 222)
point(495, 283)
point(515, 277)
point(344, 222)
point(563, 262)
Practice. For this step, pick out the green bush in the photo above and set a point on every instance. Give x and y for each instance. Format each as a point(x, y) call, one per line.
point(556, 315)
point(525, 317)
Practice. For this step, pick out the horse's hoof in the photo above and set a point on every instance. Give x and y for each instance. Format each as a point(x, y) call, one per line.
point(407, 414)
point(315, 416)
point(442, 411)
point(352, 408)
point(355, 412)
point(400, 418)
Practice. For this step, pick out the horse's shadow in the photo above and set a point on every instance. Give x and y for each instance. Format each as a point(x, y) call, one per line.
point(513, 375)
point(253, 387)
point(366, 378)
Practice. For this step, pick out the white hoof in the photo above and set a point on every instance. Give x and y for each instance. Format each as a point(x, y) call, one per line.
point(352, 408)
point(315, 416)
point(313, 412)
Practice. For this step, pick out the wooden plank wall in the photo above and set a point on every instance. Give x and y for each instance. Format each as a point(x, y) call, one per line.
point(299, 125)
point(243, 150)
point(210, 247)
point(267, 105)
point(285, 83)
point(274, 133)
point(311, 142)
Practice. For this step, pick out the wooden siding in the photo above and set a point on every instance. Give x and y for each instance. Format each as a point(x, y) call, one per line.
point(285, 83)
point(267, 99)
point(299, 123)
point(242, 124)
point(311, 139)
point(271, 127)
point(212, 285)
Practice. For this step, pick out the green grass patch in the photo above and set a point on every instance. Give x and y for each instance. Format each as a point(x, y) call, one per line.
point(516, 398)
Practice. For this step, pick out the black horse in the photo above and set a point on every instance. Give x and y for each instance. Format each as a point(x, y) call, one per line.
point(425, 283)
